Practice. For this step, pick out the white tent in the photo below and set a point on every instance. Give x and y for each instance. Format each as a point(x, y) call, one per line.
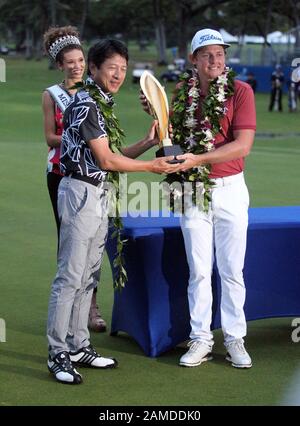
point(274, 37)
point(280, 38)
point(228, 38)
point(252, 39)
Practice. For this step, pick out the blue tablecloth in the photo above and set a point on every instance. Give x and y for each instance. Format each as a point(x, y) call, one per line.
point(153, 307)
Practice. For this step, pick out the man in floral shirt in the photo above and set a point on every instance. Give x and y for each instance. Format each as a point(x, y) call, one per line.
point(86, 157)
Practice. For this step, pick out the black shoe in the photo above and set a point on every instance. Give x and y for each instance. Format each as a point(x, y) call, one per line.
point(88, 357)
point(63, 370)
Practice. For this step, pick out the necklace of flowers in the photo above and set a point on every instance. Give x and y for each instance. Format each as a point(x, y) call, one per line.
point(116, 140)
point(199, 138)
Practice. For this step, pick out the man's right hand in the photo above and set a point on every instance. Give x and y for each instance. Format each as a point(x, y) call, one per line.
point(160, 165)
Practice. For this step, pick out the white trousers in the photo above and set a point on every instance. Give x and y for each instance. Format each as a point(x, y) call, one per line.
point(219, 234)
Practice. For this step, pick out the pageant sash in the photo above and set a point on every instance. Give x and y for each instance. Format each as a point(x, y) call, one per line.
point(60, 96)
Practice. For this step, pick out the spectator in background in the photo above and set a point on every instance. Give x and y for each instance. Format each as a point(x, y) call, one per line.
point(277, 80)
point(251, 80)
point(174, 51)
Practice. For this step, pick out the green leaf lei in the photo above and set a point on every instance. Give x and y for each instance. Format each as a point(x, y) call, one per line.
point(116, 140)
point(196, 137)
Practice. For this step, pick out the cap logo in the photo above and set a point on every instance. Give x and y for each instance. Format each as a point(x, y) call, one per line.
point(209, 37)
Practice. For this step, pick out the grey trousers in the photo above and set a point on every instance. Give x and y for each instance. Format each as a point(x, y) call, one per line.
point(82, 209)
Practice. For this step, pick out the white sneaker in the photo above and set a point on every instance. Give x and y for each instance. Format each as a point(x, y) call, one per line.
point(237, 354)
point(88, 357)
point(198, 353)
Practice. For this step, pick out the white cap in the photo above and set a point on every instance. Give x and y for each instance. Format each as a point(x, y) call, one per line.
point(207, 37)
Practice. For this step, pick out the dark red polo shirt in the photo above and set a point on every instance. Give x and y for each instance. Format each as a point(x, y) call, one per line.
point(240, 115)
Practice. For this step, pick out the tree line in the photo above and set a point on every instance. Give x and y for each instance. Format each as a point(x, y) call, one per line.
point(167, 22)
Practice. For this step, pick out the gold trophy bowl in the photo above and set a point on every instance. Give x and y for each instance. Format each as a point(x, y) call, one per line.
point(159, 109)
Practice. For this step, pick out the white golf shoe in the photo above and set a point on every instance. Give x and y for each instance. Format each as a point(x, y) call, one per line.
point(237, 354)
point(198, 352)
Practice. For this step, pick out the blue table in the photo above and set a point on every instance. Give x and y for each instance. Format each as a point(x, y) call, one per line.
point(153, 307)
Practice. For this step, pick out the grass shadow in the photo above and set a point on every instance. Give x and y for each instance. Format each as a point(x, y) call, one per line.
point(23, 357)
point(25, 371)
point(122, 342)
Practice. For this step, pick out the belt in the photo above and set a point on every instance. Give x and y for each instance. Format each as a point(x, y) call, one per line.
point(227, 180)
point(86, 179)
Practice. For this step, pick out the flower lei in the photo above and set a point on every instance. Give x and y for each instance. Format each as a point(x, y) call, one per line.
point(116, 138)
point(198, 138)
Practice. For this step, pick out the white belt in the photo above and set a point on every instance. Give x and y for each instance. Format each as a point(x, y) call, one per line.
point(227, 180)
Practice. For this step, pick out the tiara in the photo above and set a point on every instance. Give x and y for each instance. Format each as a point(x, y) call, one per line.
point(62, 42)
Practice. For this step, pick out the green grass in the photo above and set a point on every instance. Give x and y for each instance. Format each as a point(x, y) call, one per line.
point(28, 250)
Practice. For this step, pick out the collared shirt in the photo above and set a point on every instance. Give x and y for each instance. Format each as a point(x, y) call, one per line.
point(240, 115)
point(83, 121)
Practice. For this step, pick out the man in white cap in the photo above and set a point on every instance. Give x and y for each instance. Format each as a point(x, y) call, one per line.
point(217, 130)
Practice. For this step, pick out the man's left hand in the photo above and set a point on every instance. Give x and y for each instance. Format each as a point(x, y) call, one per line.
point(152, 136)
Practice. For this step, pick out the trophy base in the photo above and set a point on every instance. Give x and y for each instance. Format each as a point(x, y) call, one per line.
point(167, 151)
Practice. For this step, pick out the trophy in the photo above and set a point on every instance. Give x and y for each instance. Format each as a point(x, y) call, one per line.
point(159, 109)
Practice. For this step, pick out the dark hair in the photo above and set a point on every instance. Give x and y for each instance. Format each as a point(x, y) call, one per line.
point(54, 33)
point(105, 49)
